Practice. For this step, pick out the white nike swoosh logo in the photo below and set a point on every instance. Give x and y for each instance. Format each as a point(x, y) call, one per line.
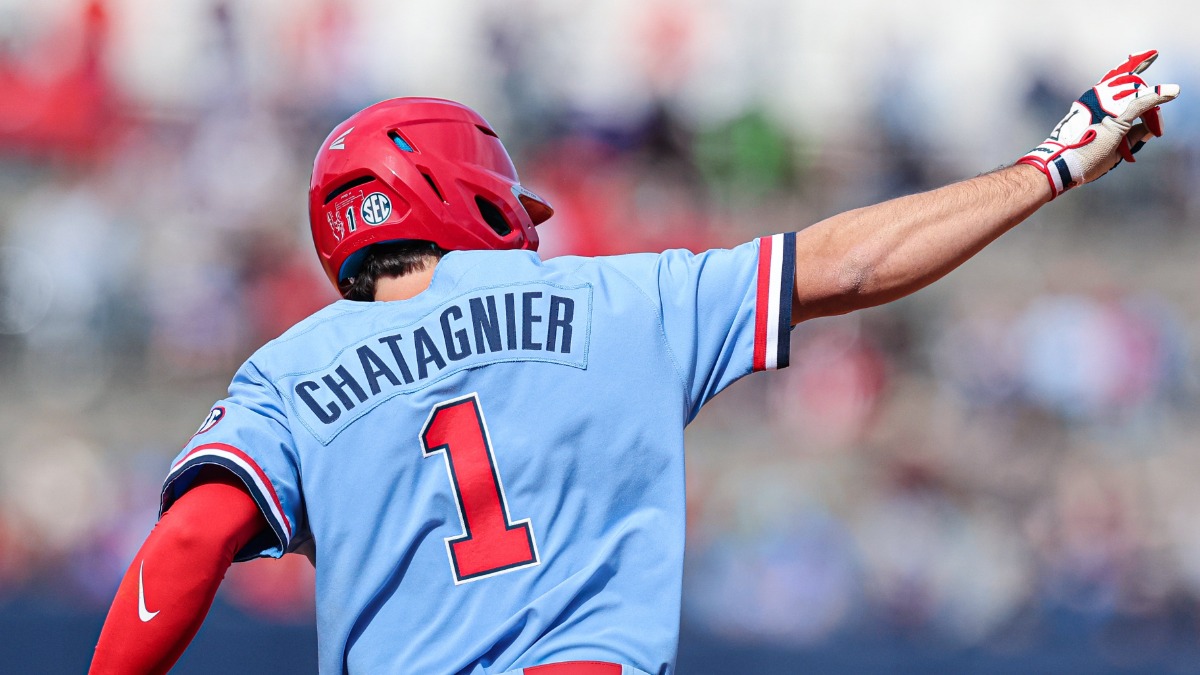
point(142, 613)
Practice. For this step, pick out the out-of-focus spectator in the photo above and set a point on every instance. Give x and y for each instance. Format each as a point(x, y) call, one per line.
point(1000, 455)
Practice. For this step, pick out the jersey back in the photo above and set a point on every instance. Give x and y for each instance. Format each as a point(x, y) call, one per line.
point(490, 475)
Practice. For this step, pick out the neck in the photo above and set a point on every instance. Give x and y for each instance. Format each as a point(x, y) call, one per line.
point(405, 287)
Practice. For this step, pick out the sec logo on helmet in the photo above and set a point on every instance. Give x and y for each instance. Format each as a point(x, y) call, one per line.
point(440, 170)
point(376, 208)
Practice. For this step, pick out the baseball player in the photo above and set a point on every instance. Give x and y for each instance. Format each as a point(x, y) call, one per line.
point(482, 451)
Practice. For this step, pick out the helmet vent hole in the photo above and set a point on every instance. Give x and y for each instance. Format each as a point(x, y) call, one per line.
point(400, 142)
point(486, 130)
point(492, 216)
point(433, 186)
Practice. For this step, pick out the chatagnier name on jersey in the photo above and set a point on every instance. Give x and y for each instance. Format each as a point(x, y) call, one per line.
point(531, 322)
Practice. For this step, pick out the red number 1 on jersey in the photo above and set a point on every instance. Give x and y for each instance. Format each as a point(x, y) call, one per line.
point(491, 543)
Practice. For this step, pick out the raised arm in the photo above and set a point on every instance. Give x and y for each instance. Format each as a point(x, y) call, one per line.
point(877, 254)
point(874, 255)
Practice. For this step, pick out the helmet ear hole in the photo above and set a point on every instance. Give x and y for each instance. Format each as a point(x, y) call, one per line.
point(493, 216)
point(346, 187)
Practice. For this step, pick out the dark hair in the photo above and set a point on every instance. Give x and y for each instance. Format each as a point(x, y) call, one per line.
point(389, 260)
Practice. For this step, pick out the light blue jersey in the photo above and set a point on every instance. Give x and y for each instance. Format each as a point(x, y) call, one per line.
point(490, 476)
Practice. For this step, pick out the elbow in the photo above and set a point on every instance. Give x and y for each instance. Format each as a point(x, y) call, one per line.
point(854, 276)
point(854, 286)
point(844, 287)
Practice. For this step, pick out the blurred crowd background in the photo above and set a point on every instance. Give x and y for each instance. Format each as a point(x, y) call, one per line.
point(999, 474)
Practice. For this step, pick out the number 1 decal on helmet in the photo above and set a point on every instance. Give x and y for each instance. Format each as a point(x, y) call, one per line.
point(417, 169)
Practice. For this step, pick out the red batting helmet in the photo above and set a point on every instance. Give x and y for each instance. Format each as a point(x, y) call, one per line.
point(418, 169)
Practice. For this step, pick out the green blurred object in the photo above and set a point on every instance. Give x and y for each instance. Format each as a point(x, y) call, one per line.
point(747, 158)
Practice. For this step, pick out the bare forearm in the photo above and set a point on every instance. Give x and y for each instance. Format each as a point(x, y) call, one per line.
point(877, 254)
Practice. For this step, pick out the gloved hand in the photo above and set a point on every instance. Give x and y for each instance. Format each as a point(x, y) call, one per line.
point(1099, 130)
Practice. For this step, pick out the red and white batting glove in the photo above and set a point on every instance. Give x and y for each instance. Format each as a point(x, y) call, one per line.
point(1099, 130)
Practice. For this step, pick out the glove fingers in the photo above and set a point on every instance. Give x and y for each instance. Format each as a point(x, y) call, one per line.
point(1140, 133)
point(1153, 120)
point(1142, 61)
point(1136, 64)
point(1167, 91)
point(1154, 96)
point(1133, 141)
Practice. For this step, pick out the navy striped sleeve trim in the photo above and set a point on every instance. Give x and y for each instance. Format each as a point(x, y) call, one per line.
point(773, 304)
point(246, 469)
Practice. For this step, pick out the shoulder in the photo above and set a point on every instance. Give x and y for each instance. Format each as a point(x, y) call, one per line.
point(330, 312)
point(303, 341)
point(474, 268)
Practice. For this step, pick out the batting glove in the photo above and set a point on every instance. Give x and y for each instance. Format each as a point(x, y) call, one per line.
point(1099, 130)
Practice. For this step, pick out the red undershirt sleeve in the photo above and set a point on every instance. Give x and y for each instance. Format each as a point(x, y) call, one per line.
point(169, 587)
